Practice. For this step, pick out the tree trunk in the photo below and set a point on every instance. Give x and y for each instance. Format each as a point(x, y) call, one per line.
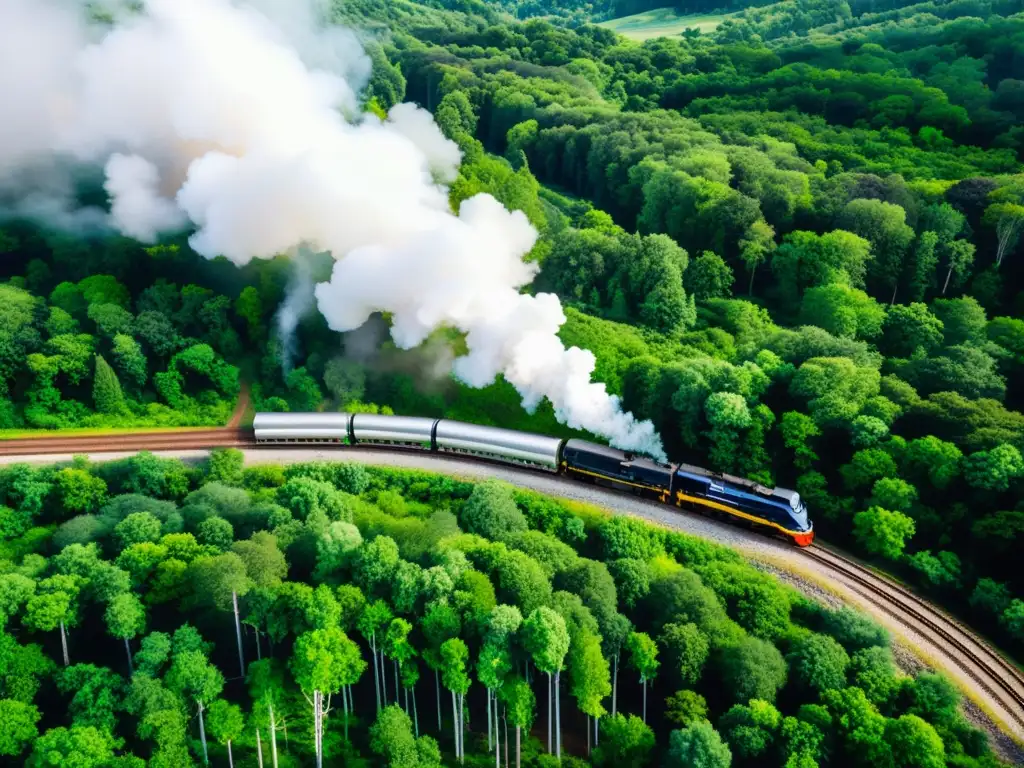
point(644, 681)
point(615, 685)
point(231, 759)
point(489, 718)
point(344, 709)
point(383, 680)
point(415, 714)
point(128, 651)
point(945, 285)
point(397, 689)
point(455, 725)
point(750, 288)
point(504, 722)
point(202, 734)
point(895, 287)
point(597, 731)
point(376, 682)
point(437, 688)
point(259, 653)
point(549, 713)
point(519, 750)
point(462, 728)
point(273, 734)
point(64, 645)
point(558, 715)
point(588, 735)
point(238, 633)
point(406, 692)
point(319, 729)
point(259, 748)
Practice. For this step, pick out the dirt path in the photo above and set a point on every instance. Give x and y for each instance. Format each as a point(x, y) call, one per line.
point(242, 406)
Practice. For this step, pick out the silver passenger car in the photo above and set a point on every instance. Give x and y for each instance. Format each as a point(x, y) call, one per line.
point(302, 427)
point(494, 443)
point(393, 430)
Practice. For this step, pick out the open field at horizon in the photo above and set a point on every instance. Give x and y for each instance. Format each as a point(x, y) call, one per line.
point(662, 22)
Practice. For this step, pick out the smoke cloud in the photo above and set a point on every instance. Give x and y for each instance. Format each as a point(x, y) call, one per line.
point(242, 121)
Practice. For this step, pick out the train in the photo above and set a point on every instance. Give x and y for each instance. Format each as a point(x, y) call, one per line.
point(777, 511)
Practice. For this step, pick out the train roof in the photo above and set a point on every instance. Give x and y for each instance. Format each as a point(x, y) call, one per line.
point(615, 454)
point(784, 494)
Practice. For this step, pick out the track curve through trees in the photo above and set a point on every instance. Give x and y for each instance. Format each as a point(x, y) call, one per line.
point(994, 682)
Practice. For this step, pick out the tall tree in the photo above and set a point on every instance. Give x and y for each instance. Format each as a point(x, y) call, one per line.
point(322, 663)
point(454, 658)
point(521, 703)
point(126, 618)
point(591, 679)
point(193, 677)
point(376, 616)
point(55, 605)
point(106, 390)
point(220, 580)
point(643, 657)
point(546, 639)
point(440, 623)
point(226, 724)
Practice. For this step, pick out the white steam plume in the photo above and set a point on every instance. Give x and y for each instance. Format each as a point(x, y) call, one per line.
point(298, 302)
point(243, 119)
point(136, 207)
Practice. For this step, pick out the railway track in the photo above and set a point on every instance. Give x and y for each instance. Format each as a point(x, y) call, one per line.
point(135, 441)
point(999, 677)
point(986, 668)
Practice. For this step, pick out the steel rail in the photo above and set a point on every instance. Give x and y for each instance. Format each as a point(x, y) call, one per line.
point(906, 604)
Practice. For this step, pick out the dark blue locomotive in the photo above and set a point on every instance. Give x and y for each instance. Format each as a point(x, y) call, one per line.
point(735, 498)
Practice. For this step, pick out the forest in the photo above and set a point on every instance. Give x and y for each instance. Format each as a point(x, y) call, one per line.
point(169, 614)
point(790, 243)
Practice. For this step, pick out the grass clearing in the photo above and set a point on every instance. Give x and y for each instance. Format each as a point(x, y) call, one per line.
point(662, 22)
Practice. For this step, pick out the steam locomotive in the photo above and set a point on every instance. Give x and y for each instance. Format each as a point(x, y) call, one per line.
point(777, 511)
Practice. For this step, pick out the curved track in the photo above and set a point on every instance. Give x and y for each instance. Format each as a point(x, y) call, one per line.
point(999, 678)
point(996, 683)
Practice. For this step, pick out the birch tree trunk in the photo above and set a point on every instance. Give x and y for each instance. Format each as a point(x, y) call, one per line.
point(344, 709)
point(259, 653)
point(588, 734)
point(415, 714)
point(231, 759)
point(489, 744)
point(455, 725)
point(64, 645)
point(383, 680)
point(397, 689)
point(549, 713)
point(128, 651)
point(376, 683)
point(437, 688)
point(644, 681)
point(273, 735)
point(462, 728)
point(519, 750)
point(238, 633)
point(202, 734)
point(259, 749)
point(558, 715)
point(615, 686)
